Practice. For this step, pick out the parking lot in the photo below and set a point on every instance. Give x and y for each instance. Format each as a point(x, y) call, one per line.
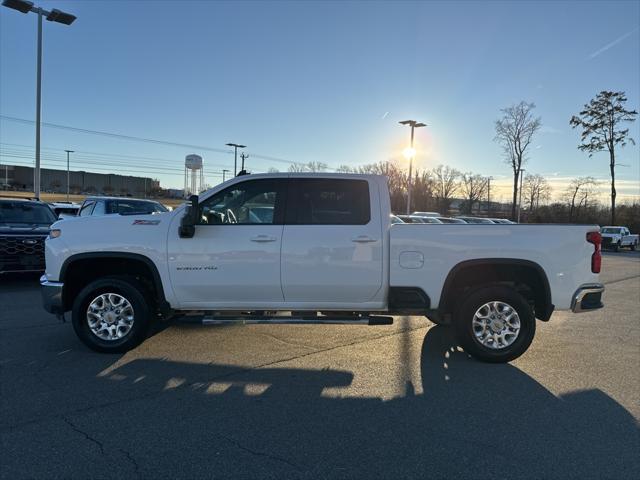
point(323, 401)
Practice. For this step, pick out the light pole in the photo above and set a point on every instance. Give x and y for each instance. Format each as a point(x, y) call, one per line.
point(235, 160)
point(68, 152)
point(520, 200)
point(54, 15)
point(224, 174)
point(410, 154)
point(489, 195)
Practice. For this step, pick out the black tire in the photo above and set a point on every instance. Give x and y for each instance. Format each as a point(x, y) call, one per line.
point(134, 293)
point(465, 313)
point(616, 248)
point(634, 246)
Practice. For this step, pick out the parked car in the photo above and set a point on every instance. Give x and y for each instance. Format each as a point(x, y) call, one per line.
point(328, 247)
point(395, 219)
point(618, 237)
point(485, 221)
point(24, 225)
point(427, 214)
point(118, 205)
point(501, 221)
point(65, 209)
point(418, 219)
point(450, 220)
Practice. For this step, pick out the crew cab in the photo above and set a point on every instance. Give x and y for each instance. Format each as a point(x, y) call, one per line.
point(315, 248)
point(618, 237)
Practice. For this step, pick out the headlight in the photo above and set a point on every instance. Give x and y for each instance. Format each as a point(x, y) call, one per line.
point(55, 233)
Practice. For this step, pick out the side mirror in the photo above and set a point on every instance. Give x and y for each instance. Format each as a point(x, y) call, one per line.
point(189, 220)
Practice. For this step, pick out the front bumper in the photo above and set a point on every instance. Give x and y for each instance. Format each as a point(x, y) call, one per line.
point(587, 297)
point(51, 295)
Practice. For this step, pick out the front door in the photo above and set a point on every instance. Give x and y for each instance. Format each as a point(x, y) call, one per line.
point(233, 260)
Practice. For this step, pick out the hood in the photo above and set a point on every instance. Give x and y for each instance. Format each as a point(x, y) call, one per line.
point(23, 229)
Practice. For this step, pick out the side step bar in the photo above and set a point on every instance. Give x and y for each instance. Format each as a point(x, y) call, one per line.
point(284, 320)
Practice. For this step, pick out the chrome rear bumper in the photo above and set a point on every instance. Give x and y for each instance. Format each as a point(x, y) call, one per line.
point(587, 297)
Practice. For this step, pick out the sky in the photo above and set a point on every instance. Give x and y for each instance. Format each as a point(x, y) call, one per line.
point(317, 81)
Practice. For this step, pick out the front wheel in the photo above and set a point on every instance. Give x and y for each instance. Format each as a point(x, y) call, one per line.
point(494, 324)
point(111, 315)
point(634, 246)
point(616, 248)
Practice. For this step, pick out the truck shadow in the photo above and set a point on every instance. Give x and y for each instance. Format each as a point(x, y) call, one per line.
point(473, 421)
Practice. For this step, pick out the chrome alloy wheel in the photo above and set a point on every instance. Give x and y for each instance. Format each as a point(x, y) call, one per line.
point(110, 316)
point(496, 325)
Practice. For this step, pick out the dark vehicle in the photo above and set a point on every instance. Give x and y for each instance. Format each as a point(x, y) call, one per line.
point(118, 205)
point(417, 219)
point(24, 225)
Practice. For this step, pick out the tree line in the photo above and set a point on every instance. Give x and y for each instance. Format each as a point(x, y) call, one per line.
point(601, 123)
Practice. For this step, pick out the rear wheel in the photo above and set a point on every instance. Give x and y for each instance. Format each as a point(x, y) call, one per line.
point(111, 315)
point(495, 324)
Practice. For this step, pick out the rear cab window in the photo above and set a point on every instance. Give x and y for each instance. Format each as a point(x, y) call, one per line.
point(328, 201)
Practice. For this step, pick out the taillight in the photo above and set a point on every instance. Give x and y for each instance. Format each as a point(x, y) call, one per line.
point(596, 258)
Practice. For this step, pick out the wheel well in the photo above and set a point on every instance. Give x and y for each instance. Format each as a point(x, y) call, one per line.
point(527, 278)
point(77, 273)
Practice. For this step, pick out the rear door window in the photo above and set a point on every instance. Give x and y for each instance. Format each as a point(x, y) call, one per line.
point(328, 201)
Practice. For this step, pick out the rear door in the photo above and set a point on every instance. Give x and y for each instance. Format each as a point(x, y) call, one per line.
point(331, 243)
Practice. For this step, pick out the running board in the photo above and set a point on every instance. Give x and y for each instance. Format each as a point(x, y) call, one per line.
point(283, 320)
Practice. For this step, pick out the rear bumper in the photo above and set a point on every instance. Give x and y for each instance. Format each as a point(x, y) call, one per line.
point(51, 295)
point(587, 297)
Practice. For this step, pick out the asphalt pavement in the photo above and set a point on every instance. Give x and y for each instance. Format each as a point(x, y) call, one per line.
point(312, 402)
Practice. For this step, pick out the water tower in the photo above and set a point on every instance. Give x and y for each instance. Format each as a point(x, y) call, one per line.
point(193, 169)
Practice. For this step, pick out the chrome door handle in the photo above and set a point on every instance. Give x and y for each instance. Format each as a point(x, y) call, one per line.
point(363, 239)
point(263, 238)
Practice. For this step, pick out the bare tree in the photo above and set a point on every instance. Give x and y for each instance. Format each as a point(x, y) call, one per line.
point(578, 193)
point(536, 189)
point(309, 167)
point(600, 121)
point(273, 170)
point(445, 186)
point(515, 131)
point(473, 188)
point(345, 169)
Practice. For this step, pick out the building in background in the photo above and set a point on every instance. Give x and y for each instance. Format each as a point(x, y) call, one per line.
point(17, 177)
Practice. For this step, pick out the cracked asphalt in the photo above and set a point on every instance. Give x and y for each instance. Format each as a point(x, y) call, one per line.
point(311, 402)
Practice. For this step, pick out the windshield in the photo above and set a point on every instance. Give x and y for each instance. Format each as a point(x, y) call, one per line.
point(610, 230)
point(25, 213)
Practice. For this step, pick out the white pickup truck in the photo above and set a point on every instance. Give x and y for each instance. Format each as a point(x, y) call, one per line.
point(618, 237)
point(315, 248)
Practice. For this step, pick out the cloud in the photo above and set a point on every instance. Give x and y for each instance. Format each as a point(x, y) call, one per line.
point(613, 44)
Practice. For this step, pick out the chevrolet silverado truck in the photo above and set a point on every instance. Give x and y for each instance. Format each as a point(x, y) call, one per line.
point(617, 237)
point(314, 248)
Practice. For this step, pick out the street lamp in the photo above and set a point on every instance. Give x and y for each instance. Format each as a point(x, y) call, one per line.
point(410, 154)
point(520, 201)
point(68, 152)
point(235, 161)
point(54, 15)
